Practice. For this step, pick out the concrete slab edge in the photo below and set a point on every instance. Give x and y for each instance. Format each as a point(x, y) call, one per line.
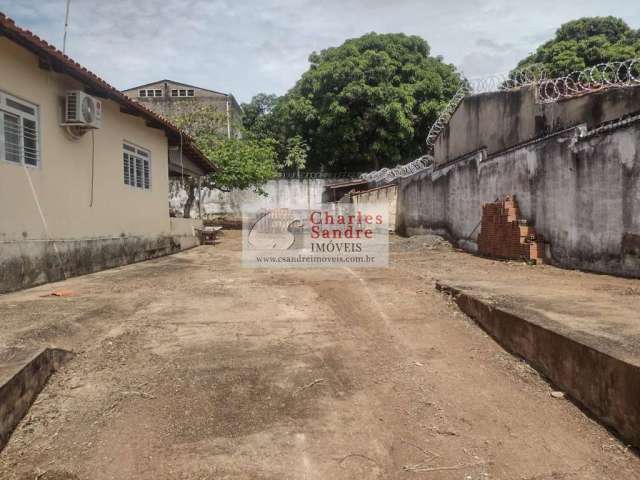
point(22, 387)
point(607, 387)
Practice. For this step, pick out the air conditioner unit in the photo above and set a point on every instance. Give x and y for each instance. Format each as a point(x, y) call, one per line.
point(82, 110)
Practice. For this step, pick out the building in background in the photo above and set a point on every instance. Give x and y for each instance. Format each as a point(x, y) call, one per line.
point(172, 99)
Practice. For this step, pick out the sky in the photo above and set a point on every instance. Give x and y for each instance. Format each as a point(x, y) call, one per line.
point(246, 47)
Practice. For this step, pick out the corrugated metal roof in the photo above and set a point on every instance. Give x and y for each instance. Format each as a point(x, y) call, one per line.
point(347, 183)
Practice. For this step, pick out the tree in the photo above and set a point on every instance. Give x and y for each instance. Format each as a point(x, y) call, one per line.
point(296, 154)
point(257, 114)
point(262, 121)
point(245, 163)
point(584, 43)
point(202, 120)
point(366, 104)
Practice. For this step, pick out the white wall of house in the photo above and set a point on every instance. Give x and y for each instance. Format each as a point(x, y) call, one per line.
point(53, 200)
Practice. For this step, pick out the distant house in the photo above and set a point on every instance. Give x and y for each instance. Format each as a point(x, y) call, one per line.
point(84, 170)
point(171, 99)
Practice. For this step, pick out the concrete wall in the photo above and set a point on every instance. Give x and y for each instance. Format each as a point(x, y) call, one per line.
point(385, 195)
point(500, 120)
point(185, 226)
point(289, 193)
point(183, 230)
point(28, 263)
point(583, 195)
point(49, 228)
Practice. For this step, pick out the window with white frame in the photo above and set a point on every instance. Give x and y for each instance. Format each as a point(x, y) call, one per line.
point(182, 92)
point(18, 131)
point(150, 92)
point(136, 165)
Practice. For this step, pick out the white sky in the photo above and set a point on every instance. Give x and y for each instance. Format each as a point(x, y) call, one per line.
point(247, 47)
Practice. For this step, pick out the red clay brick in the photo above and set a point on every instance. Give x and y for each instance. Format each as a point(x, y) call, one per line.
point(503, 234)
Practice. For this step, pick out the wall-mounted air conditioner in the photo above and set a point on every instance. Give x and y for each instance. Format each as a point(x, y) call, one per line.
point(82, 110)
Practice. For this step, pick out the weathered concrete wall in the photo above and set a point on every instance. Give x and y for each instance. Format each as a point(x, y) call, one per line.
point(385, 195)
point(285, 193)
point(500, 120)
point(184, 226)
point(28, 263)
point(582, 194)
point(183, 230)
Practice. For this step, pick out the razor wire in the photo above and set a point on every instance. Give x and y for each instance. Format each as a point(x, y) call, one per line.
point(445, 115)
point(515, 79)
point(589, 80)
point(509, 81)
point(547, 90)
point(522, 77)
point(387, 175)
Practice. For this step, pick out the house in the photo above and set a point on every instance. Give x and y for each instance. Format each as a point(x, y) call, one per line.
point(84, 170)
point(172, 99)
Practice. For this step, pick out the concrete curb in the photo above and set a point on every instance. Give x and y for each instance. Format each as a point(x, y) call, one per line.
point(607, 387)
point(19, 389)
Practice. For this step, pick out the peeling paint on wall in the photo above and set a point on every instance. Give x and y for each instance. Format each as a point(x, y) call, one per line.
point(582, 195)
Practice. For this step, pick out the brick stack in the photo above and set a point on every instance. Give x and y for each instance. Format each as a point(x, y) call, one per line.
point(503, 234)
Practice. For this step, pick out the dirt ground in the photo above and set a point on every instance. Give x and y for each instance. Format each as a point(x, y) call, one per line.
point(192, 367)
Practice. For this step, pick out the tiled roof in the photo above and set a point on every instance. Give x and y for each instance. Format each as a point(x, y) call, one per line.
point(52, 58)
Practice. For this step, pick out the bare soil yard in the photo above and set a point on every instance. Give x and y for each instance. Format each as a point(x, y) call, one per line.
point(192, 367)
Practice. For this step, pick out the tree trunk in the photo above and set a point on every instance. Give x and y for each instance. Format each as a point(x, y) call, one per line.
point(191, 196)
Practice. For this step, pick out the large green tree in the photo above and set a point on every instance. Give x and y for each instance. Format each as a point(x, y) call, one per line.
point(584, 43)
point(366, 104)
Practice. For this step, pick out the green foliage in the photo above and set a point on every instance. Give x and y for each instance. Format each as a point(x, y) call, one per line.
point(263, 121)
point(257, 114)
point(366, 104)
point(369, 102)
point(584, 43)
point(243, 163)
point(296, 154)
point(202, 119)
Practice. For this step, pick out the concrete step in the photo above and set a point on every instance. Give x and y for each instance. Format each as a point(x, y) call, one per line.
point(595, 372)
point(23, 374)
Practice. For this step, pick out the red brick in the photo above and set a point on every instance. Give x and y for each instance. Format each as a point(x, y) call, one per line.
point(504, 234)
